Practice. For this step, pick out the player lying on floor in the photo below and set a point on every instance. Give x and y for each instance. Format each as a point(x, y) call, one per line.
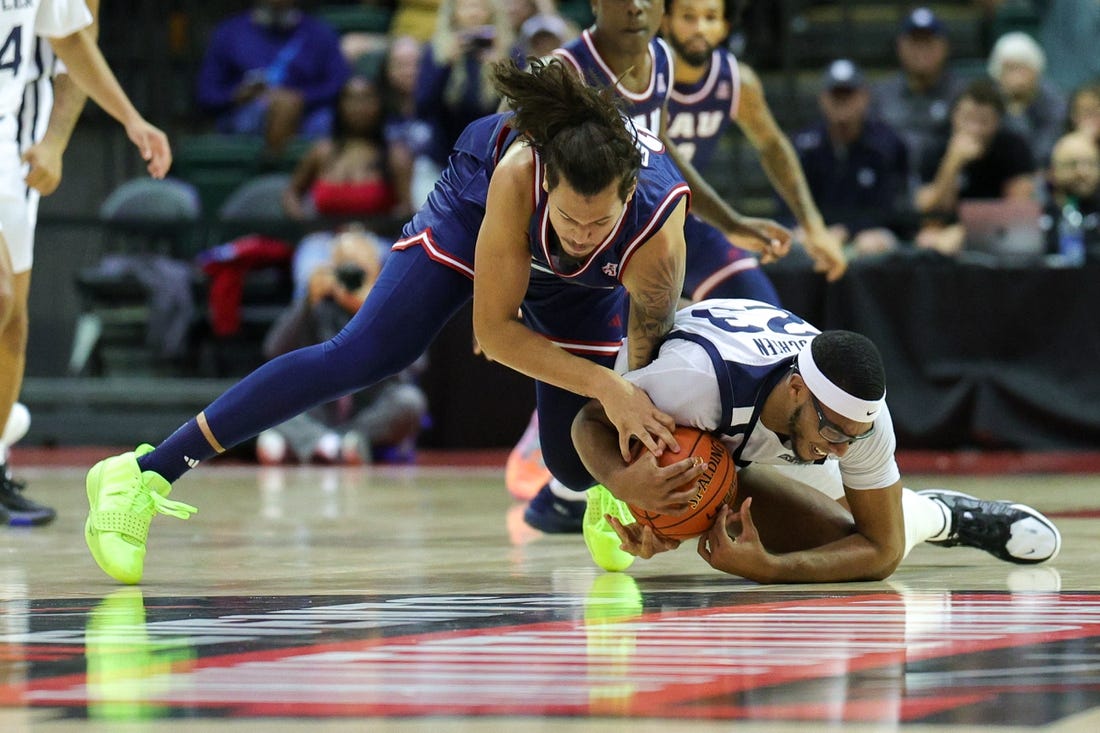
point(798, 410)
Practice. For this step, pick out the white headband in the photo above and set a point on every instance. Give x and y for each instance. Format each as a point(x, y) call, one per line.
point(837, 399)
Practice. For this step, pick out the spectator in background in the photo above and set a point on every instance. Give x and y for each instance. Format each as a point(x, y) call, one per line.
point(1034, 106)
point(452, 85)
point(1084, 110)
point(981, 160)
point(541, 34)
point(857, 167)
point(1068, 32)
point(273, 71)
point(1074, 185)
point(917, 101)
point(383, 420)
point(356, 174)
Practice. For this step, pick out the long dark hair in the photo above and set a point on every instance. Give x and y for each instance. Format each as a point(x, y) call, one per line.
point(579, 130)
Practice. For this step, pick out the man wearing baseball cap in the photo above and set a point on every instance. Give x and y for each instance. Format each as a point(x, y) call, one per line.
point(917, 100)
point(857, 166)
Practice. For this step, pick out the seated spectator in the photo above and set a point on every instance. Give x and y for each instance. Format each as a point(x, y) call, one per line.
point(356, 174)
point(1084, 110)
point(540, 34)
point(1074, 190)
point(856, 166)
point(981, 160)
point(381, 422)
point(452, 84)
point(916, 101)
point(273, 71)
point(1068, 30)
point(1034, 106)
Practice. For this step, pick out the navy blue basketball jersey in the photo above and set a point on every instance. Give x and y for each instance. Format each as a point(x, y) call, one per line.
point(644, 107)
point(698, 114)
point(581, 298)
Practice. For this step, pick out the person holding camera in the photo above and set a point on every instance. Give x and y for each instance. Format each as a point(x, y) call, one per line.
point(380, 422)
point(452, 83)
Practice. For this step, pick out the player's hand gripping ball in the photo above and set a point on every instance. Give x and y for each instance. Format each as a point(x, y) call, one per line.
point(717, 486)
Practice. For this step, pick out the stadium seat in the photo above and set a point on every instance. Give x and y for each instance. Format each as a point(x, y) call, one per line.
point(138, 293)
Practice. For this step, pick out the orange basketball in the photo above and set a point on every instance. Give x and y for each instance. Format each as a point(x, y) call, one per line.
point(717, 486)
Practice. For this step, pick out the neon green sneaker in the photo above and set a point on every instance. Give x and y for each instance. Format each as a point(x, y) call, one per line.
point(603, 543)
point(122, 501)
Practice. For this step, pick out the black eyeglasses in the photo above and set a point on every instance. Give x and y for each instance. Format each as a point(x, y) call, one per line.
point(830, 431)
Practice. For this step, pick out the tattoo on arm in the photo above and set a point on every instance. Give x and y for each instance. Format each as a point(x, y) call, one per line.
point(652, 308)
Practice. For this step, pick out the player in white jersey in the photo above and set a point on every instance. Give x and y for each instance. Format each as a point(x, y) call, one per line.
point(812, 407)
point(36, 120)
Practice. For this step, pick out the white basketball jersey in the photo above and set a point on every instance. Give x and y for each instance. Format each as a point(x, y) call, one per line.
point(720, 362)
point(21, 22)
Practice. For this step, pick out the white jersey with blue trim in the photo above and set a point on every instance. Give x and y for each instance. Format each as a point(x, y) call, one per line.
point(38, 95)
point(21, 22)
point(719, 364)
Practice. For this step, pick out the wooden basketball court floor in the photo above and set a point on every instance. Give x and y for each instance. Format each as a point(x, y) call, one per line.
point(415, 599)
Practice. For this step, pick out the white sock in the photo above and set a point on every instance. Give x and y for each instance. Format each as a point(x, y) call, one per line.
point(19, 421)
point(925, 519)
point(560, 490)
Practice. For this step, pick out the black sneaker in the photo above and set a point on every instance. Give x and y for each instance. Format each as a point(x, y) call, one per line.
point(554, 515)
point(1012, 532)
point(19, 510)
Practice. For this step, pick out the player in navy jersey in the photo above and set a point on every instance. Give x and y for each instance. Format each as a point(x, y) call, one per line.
point(711, 89)
point(797, 409)
point(561, 209)
point(621, 50)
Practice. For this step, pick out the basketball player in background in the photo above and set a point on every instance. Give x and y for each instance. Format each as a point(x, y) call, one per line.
point(37, 116)
point(711, 90)
point(806, 412)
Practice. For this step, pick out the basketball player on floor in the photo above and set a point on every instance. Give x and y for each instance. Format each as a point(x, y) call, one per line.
point(562, 209)
point(621, 50)
point(796, 408)
point(36, 120)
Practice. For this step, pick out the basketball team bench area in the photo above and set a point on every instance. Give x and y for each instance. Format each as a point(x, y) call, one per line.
point(416, 599)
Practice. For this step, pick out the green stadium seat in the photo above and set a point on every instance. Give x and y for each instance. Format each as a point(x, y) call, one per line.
point(356, 18)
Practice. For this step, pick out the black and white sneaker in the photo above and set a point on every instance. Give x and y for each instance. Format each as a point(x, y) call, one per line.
point(16, 509)
point(1012, 532)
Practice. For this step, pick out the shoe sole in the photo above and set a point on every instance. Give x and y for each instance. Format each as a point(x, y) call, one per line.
point(1033, 513)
